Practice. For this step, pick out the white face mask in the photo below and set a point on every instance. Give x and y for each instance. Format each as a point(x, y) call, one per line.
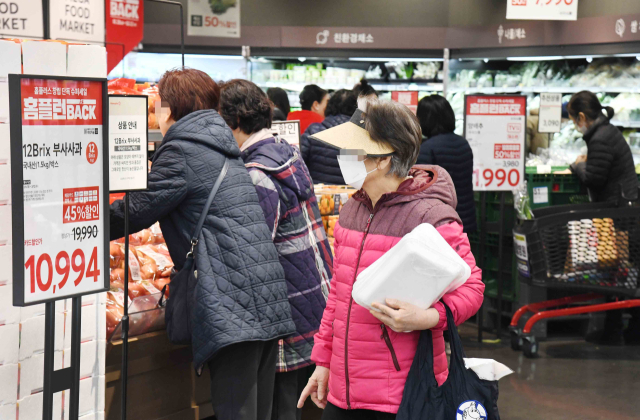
point(582, 129)
point(353, 171)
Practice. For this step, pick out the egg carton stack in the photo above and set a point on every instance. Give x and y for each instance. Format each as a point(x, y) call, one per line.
point(582, 256)
point(22, 329)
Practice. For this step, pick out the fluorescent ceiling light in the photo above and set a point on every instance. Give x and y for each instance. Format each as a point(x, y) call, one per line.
point(542, 58)
point(393, 59)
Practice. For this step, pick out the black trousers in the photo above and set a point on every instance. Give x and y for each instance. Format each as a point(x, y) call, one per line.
point(242, 380)
point(289, 387)
point(331, 412)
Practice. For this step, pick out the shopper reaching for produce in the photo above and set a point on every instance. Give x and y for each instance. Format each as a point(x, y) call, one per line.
point(608, 168)
point(362, 362)
point(236, 309)
point(287, 198)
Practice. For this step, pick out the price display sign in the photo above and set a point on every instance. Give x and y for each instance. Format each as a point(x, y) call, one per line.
point(128, 143)
point(550, 116)
point(542, 9)
point(288, 130)
point(60, 187)
point(495, 127)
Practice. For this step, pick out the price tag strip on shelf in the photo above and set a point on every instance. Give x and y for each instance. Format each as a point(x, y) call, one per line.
point(60, 188)
point(128, 140)
point(550, 117)
point(495, 127)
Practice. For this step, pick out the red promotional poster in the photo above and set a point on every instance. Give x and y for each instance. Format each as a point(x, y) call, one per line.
point(495, 127)
point(125, 23)
point(410, 99)
point(59, 159)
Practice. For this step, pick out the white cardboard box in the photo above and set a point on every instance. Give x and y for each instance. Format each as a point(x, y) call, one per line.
point(92, 393)
point(92, 416)
point(11, 63)
point(9, 314)
point(32, 373)
point(10, 339)
point(8, 411)
point(5, 261)
point(32, 336)
point(46, 58)
point(30, 407)
point(87, 61)
point(8, 384)
point(91, 358)
point(5, 184)
point(5, 141)
point(5, 222)
point(28, 312)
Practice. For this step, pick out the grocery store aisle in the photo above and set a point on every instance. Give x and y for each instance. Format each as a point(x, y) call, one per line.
point(570, 380)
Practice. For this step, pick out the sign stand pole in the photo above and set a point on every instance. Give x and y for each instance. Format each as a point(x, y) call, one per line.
point(125, 319)
point(480, 262)
point(500, 266)
point(67, 378)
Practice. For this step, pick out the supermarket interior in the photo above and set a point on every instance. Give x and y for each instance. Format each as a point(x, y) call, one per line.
point(544, 94)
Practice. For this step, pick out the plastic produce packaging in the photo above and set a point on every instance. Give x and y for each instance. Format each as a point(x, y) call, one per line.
point(487, 369)
point(419, 269)
point(521, 202)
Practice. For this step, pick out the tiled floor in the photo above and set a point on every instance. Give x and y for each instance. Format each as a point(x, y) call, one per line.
point(570, 380)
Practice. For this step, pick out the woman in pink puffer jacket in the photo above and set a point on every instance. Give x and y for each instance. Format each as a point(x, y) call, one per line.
point(362, 361)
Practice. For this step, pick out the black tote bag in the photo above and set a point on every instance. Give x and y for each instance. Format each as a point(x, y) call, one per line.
point(463, 396)
point(178, 307)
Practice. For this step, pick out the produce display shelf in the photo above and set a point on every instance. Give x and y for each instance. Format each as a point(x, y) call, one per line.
point(539, 89)
point(433, 87)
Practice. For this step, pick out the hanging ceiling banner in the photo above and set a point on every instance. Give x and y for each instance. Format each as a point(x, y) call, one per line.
point(125, 27)
point(220, 18)
point(542, 9)
point(21, 18)
point(77, 20)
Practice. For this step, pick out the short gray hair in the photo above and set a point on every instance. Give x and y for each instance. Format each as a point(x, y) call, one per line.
point(395, 125)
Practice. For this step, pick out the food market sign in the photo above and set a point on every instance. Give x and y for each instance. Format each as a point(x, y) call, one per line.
point(542, 9)
point(60, 187)
point(495, 128)
point(77, 20)
point(21, 18)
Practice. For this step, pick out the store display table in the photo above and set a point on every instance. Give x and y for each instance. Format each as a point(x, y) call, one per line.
point(162, 381)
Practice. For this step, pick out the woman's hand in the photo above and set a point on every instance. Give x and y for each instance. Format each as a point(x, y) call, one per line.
point(405, 317)
point(316, 388)
point(581, 158)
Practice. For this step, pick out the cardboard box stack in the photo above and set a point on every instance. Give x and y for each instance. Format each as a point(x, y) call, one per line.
point(22, 329)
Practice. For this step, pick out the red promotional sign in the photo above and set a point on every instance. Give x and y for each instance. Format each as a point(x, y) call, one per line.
point(61, 102)
point(409, 99)
point(125, 20)
point(496, 105)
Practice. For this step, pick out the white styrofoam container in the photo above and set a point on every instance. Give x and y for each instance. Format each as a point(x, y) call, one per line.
point(45, 58)
point(419, 269)
point(10, 348)
point(6, 262)
point(9, 314)
point(11, 63)
point(32, 373)
point(5, 184)
point(30, 407)
point(32, 336)
point(8, 411)
point(8, 384)
point(90, 358)
point(92, 395)
point(87, 61)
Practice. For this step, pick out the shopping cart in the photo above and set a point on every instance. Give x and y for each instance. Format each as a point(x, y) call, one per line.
point(589, 248)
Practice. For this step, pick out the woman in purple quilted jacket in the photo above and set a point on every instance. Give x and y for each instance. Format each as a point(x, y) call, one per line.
point(286, 195)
